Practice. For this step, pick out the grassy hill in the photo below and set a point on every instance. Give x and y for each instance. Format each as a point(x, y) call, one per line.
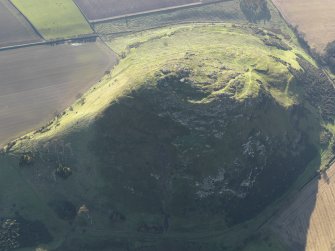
point(224, 11)
point(54, 19)
point(186, 144)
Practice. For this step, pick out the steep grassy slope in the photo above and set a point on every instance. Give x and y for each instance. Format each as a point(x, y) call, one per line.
point(196, 131)
point(54, 18)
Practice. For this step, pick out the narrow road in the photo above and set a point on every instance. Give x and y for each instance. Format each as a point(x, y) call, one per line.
point(58, 41)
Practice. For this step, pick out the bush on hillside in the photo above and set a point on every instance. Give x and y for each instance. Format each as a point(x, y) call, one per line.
point(63, 171)
point(26, 160)
point(330, 56)
point(255, 10)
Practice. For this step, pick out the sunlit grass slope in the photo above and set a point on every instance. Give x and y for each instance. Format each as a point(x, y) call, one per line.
point(54, 18)
point(237, 48)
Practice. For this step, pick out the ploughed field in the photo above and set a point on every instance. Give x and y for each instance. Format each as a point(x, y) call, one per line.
point(228, 11)
point(314, 18)
point(308, 223)
point(36, 82)
point(99, 9)
point(14, 29)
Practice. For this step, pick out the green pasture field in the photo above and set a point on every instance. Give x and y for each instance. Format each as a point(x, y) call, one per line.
point(54, 19)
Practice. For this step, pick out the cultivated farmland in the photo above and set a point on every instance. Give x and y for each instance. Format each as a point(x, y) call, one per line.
point(228, 11)
point(99, 9)
point(314, 18)
point(54, 18)
point(36, 82)
point(309, 223)
point(14, 29)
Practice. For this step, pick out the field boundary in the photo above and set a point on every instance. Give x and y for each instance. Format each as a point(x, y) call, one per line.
point(86, 18)
point(144, 13)
point(50, 42)
point(30, 23)
point(121, 33)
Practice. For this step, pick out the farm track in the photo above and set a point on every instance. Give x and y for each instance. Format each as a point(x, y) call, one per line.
point(38, 81)
point(53, 42)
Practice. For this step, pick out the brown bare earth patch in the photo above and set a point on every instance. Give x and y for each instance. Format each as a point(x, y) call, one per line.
point(314, 18)
point(308, 224)
point(14, 29)
point(99, 9)
point(37, 82)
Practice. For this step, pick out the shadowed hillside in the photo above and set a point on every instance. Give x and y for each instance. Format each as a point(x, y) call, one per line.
point(196, 132)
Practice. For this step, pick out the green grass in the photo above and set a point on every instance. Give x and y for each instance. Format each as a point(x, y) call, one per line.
point(243, 49)
point(226, 12)
point(205, 48)
point(54, 19)
point(16, 190)
point(234, 47)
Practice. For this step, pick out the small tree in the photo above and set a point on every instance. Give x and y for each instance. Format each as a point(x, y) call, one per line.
point(63, 171)
point(26, 160)
point(330, 56)
point(255, 10)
